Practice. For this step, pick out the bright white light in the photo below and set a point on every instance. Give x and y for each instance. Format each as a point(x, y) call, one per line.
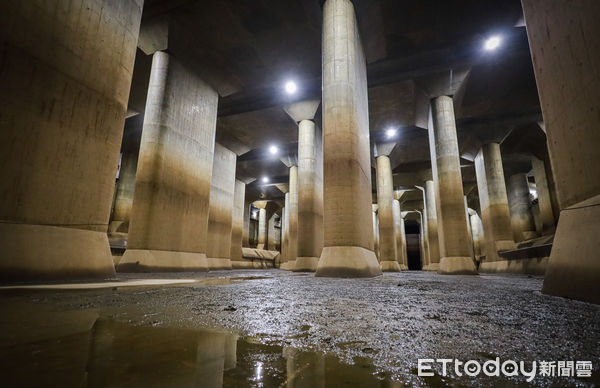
point(265, 179)
point(389, 133)
point(492, 43)
point(290, 87)
point(273, 150)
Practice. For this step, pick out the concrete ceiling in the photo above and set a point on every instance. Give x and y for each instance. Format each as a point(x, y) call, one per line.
point(247, 49)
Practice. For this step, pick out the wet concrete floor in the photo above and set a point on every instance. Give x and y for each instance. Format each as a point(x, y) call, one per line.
point(274, 328)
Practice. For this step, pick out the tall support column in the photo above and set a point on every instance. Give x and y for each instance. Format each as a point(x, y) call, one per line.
point(60, 132)
point(544, 199)
point(262, 225)
point(237, 224)
point(292, 250)
point(246, 225)
point(286, 230)
point(375, 232)
point(432, 227)
point(310, 196)
point(348, 246)
point(387, 228)
point(400, 238)
point(169, 218)
point(477, 235)
point(119, 222)
point(493, 201)
point(521, 217)
point(563, 38)
point(453, 236)
point(220, 213)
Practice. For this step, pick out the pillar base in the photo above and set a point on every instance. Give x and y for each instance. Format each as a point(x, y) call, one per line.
point(215, 264)
point(457, 266)
point(531, 266)
point(574, 264)
point(390, 266)
point(348, 262)
point(529, 235)
point(403, 267)
point(432, 267)
point(40, 252)
point(288, 265)
point(148, 260)
point(241, 264)
point(306, 264)
point(505, 245)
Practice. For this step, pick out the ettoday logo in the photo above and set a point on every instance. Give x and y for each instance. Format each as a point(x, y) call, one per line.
point(508, 368)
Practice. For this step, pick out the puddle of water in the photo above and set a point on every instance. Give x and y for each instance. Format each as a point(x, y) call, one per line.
point(82, 349)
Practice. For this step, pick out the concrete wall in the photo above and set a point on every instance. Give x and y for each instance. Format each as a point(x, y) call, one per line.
point(65, 75)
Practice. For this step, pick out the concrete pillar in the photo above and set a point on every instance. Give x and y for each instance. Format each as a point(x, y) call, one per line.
point(400, 237)
point(387, 227)
point(563, 38)
point(453, 236)
point(544, 198)
point(477, 235)
point(126, 181)
point(169, 219)
point(246, 225)
point(274, 235)
point(375, 232)
point(493, 202)
point(348, 245)
point(222, 191)
point(468, 217)
point(65, 76)
point(237, 222)
point(286, 230)
point(292, 250)
point(310, 196)
point(432, 227)
point(262, 226)
point(521, 216)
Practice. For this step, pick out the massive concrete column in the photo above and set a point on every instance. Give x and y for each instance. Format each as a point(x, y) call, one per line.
point(65, 75)
point(453, 236)
point(564, 37)
point(292, 212)
point(400, 237)
point(126, 181)
point(262, 224)
point(387, 228)
point(222, 191)
point(348, 246)
point(493, 201)
point(246, 225)
point(169, 218)
point(274, 235)
point(521, 217)
point(375, 231)
point(476, 234)
point(286, 230)
point(432, 227)
point(237, 224)
point(310, 196)
point(544, 199)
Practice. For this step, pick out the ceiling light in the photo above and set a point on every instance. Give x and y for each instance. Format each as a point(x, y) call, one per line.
point(492, 43)
point(265, 179)
point(389, 133)
point(290, 87)
point(273, 150)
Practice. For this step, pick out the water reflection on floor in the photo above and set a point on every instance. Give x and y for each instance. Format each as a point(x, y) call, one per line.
point(81, 349)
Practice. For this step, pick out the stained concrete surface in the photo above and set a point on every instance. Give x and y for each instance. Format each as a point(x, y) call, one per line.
point(390, 321)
